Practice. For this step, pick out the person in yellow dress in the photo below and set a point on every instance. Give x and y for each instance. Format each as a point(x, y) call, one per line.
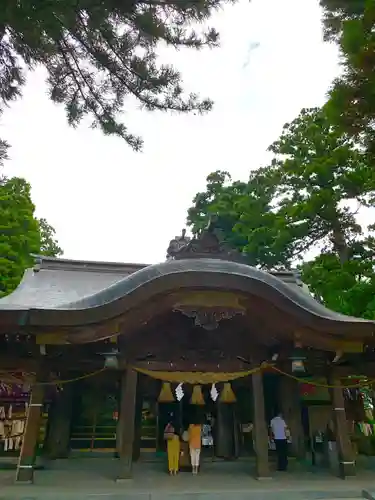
point(173, 448)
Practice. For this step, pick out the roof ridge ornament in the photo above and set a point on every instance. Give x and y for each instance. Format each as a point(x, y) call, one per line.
point(205, 244)
point(177, 244)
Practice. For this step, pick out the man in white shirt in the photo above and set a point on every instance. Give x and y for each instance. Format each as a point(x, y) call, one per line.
point(280, 432)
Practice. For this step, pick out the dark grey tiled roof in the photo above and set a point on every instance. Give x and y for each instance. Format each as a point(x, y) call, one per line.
point(62, 292)
point(54, 282)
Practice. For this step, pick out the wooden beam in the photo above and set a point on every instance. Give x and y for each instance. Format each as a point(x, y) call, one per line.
point(14, 364)
point(190, 366)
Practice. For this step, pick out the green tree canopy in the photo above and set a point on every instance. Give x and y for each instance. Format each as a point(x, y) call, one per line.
point(97, 53)
point(3, 152)
point(48, 243)
point(351, 23)
point(322, 179)
point(305, 201)
point(347, 287)
point(21, 233)
point(245, 216)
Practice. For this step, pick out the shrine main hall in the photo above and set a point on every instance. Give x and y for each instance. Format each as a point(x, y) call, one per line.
point(97, 357)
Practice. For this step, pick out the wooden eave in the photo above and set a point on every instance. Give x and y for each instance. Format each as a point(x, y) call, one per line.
point(133, 297)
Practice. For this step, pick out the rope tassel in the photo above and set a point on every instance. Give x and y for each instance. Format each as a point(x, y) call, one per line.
point(166, 394)
point(197, 396)
point(227, 395)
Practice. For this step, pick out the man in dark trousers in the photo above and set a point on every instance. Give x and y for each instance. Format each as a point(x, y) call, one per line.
point(280, 435)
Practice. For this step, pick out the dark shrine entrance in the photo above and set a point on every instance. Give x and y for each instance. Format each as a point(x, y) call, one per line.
point(201, 348)
point(228, 434)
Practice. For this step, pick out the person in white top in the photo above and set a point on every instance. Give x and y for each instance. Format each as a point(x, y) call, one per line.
point(280, 433)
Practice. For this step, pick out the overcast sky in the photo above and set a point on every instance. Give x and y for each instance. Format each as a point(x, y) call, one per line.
point(107, 202)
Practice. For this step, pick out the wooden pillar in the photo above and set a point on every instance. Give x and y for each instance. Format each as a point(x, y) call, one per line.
point(127, 422)
point(27, 457)
point(137, 426)
point(59, 423)
point(118, 425)
point(343, 442)
point(260, 430)
point(290, 406)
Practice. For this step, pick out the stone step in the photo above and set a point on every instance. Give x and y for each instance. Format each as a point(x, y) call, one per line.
point(42, 494)
point(138, 496)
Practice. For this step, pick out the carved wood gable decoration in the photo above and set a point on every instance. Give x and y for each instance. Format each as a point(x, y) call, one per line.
point(205, 244)
point(209, 308)
point(207, 318)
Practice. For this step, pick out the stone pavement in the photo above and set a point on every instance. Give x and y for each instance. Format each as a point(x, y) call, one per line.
point(93, 479)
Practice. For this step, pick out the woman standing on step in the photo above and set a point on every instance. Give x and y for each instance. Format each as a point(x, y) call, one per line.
point(195, 443)
point(173, 448)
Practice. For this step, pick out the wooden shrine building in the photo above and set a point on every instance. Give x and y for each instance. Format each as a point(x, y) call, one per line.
point(97, 351)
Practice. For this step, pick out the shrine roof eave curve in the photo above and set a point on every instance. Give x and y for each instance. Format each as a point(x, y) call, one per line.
point(215, 274)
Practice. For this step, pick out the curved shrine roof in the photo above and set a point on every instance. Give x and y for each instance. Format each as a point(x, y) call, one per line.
point(60, 291)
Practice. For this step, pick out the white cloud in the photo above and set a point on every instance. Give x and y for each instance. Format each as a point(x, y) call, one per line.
point(109, 203)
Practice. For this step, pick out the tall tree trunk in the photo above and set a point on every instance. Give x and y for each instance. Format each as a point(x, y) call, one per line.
point(339, 244)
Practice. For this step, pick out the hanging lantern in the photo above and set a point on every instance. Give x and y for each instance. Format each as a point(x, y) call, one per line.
point(297, 358)
point(166, 394)
point(197, 396)
point(227, 395)
point(298, 366)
